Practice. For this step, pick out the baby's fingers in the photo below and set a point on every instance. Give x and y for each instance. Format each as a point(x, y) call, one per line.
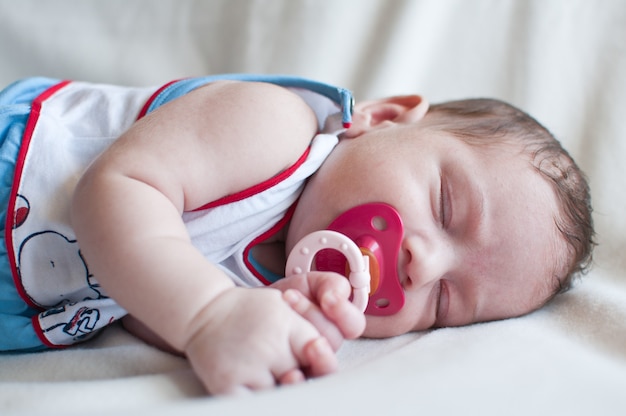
point(321, 357)
point(332, 293)
point(293, 376)
point(317, 358)
point(345, 315)
point(309, 311)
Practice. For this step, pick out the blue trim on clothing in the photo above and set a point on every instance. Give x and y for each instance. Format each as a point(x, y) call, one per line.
point(16, 330)
point(341, 96)
point(268, 275)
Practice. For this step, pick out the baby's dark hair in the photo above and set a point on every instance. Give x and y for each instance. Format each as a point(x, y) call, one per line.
point(490, 122)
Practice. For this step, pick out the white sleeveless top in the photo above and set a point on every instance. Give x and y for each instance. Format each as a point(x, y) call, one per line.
point(70, 125)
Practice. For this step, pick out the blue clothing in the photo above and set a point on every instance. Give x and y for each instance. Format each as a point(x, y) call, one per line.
point(16, 330)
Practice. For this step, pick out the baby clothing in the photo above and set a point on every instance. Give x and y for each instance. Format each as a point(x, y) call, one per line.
point(50, 131)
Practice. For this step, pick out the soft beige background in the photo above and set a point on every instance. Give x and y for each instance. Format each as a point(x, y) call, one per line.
point(563, 61)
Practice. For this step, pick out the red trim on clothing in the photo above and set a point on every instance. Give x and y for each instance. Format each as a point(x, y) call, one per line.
point(246, 193)
point(153, 97)
point(258, 188)
point(31, 124)
point(277, 227)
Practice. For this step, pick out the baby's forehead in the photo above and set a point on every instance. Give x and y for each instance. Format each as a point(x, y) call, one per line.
point(525, 212)
point(528, 283)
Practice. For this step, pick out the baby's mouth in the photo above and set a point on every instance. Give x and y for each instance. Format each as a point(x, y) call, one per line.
point(377, 229)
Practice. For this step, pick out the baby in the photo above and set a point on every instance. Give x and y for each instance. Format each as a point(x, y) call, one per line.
point(164, 206)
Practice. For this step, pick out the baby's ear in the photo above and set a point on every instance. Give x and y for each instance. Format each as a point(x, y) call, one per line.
point(400, 109)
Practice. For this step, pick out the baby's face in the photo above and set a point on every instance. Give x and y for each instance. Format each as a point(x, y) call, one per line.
point(480, 241)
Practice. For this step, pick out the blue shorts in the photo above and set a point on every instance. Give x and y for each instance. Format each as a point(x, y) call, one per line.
point(16, 330)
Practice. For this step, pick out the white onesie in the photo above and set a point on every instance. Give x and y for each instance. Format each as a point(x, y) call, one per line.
point(71, 124)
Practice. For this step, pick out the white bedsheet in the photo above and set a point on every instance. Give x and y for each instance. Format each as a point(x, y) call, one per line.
point(563, 61)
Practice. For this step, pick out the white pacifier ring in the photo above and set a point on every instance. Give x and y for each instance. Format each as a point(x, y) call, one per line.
point(301, 258)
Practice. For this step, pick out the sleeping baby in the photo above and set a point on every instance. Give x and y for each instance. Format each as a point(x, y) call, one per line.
point(176, 209)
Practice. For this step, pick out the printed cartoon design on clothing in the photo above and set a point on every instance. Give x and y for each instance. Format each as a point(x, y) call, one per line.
point(22, 209)
point(62, 261)
point(57, 259)
point(82, 323)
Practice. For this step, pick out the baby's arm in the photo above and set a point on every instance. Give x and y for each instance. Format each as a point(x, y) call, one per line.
point(127, 208)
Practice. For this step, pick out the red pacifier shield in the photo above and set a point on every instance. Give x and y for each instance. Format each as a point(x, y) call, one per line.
point(377, 229)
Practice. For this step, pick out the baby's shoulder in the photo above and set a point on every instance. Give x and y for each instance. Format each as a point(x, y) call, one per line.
point(256, 101)
point(257, 115)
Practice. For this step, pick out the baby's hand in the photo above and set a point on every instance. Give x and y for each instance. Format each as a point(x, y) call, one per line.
point(250, 339)
point(323, 298)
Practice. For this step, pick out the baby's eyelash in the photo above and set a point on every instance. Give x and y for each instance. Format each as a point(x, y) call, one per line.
point(442, 204)
point(443, 300)
point(438, 305)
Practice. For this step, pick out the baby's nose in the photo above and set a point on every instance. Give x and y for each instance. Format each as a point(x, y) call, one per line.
point(425, 260)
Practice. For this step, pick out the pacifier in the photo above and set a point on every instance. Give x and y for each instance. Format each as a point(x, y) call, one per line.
point(361, 244)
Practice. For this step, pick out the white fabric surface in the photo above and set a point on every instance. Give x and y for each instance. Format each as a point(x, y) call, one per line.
point(563, 61)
